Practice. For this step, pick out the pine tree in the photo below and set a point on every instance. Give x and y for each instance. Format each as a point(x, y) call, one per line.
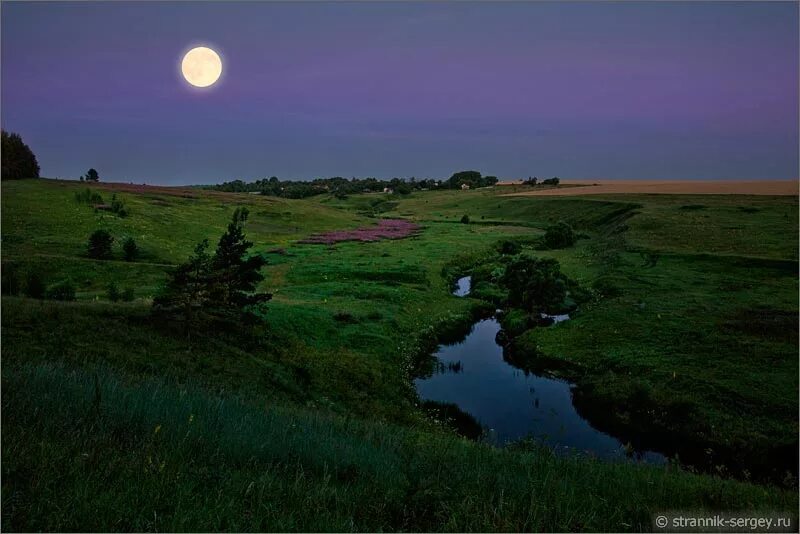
point(215, 288)
point(236, 275)
point(186, 292)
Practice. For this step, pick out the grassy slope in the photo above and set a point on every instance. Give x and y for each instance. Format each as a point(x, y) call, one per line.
point(395, 295)
point(707, 318)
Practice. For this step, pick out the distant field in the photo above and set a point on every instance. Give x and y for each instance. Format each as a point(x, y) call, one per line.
point(673, 187)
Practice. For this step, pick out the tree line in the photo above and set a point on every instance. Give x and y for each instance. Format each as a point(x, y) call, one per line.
point(341, 187)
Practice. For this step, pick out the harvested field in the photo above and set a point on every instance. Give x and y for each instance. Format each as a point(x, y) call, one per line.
point(669, 187)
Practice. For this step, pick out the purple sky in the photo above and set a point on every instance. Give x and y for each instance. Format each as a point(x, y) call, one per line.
point(601, 90)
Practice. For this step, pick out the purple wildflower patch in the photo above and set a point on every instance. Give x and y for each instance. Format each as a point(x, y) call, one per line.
point(385, 229)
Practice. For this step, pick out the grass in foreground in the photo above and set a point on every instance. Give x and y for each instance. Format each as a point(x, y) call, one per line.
point(89, 450)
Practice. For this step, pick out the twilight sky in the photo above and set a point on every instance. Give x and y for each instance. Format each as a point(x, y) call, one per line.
point(601, 90)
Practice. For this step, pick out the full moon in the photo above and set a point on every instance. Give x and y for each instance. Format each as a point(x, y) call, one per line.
point(201, 66)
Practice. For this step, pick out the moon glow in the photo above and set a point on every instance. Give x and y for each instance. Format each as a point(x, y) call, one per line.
point(201, 66)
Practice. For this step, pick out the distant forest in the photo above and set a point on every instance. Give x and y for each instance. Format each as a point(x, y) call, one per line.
point(341, 187)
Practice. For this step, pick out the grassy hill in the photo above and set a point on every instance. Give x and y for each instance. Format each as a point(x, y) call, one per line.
point(138, 428)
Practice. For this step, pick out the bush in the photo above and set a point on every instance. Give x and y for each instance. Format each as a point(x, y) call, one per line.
point(465, 219)
point(129, 249)
point(515, 322)
point(100, 243)
point(87, 196)
point(34, 285)
point(117, 207)
point(559, 235)
point(127, 294)
point(534, 284)
point(402, 189)
point(509, 247)
point(63, 290)
point(113, 292)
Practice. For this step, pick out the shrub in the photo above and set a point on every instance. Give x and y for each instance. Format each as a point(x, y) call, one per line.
point(515, 322)
point(402, 189)
point(508, 247)
point(117, 207)
point(534, 284)
point(127, 294)
point(113, 292)
point(63, 290)
point(87, 196)
point(129, 249)
point(34, 285)
point(559, 235)
point(465, 219)
point(100, 245)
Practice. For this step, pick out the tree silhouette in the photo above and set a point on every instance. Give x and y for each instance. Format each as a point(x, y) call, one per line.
point(215, 288)
point(92, 176)
point(18, 160)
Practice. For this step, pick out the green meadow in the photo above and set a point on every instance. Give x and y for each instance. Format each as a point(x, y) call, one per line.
point(310, 421)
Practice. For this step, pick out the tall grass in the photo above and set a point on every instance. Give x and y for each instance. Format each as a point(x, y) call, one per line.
point(92, 450)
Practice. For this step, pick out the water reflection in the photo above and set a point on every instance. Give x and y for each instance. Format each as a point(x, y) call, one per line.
point(512, 404)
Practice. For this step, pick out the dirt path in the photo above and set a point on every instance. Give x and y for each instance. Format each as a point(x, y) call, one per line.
point(674, 187)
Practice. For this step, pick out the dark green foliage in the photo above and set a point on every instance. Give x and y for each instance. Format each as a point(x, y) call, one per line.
point(402, 189)
point(605, 288)
point(345, 317)
point(63, 290)
point(127, 294)
point(465, 219)
point(218, 287)
point(534, 284)
point(35, 285)
point(340, 187)
point(11, 281)
point(509, 247)
point(515, 322)
point(470, 178)
point(117, 206)
point(187, 290)
point(100, 243)
point(91, 176)
point(551, 181)
point(236, 274)
point(113, 292)
point(18, 160)
point(130, 251)
point(559, 235)
point(87, 196)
